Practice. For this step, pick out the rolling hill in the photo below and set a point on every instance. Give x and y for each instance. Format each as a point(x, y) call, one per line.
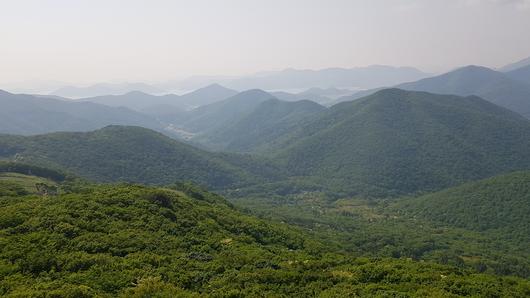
point(121, 153)
point(26, 115)
point(396, 142)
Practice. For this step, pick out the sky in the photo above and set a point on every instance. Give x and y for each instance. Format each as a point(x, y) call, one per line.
point(88, 41)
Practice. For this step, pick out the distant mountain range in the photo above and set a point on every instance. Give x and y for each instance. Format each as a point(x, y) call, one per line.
point(289, 79)
point(26, 115)
point(285, 80)
point(323, 96)
point(105, 89)
point(138, 100)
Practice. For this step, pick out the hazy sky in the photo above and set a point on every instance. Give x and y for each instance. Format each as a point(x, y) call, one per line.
point(154, 40)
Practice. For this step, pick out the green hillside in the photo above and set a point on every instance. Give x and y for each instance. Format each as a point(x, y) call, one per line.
point(396, 142)
point(137, 241)
point(500, 204)
point(259, 128)
point(222, 113)
point(121, 153)
point(20, 184)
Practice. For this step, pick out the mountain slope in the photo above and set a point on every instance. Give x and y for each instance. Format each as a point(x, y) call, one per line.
point(209, 117)
point(118, 153)
point(396, 142)
point(256, 130)
point(206, 95)
point(520, 74)
point(515, 65)
point(499, 204)
point(26, 114)
point(491, 85)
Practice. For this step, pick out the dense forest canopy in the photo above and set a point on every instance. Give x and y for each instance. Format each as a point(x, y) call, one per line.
point(132, 240)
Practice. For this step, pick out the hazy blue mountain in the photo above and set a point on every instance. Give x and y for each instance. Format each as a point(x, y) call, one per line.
point(129, 153)
point(258, 129)
point(166, 113)
point(223, 113)
point(105, 89)
point(141, 101)
point(395, 142)
point(206, 95)
point(26, 114)
point(136, 100)
point(520, 74)
point(327, 92)
point(319, 95)
point(515, 65)
point(193, 83)
point(357, 95)
point(359, 77)
point(491, 85)
point(286, 96)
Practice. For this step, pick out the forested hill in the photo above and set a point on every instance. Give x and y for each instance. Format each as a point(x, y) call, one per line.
point(180, 241)
point(125, 153)
point(499, 204)
point(396, 142)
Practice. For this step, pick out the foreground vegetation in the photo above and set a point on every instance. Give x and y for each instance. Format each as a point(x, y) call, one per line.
point(137, 241)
